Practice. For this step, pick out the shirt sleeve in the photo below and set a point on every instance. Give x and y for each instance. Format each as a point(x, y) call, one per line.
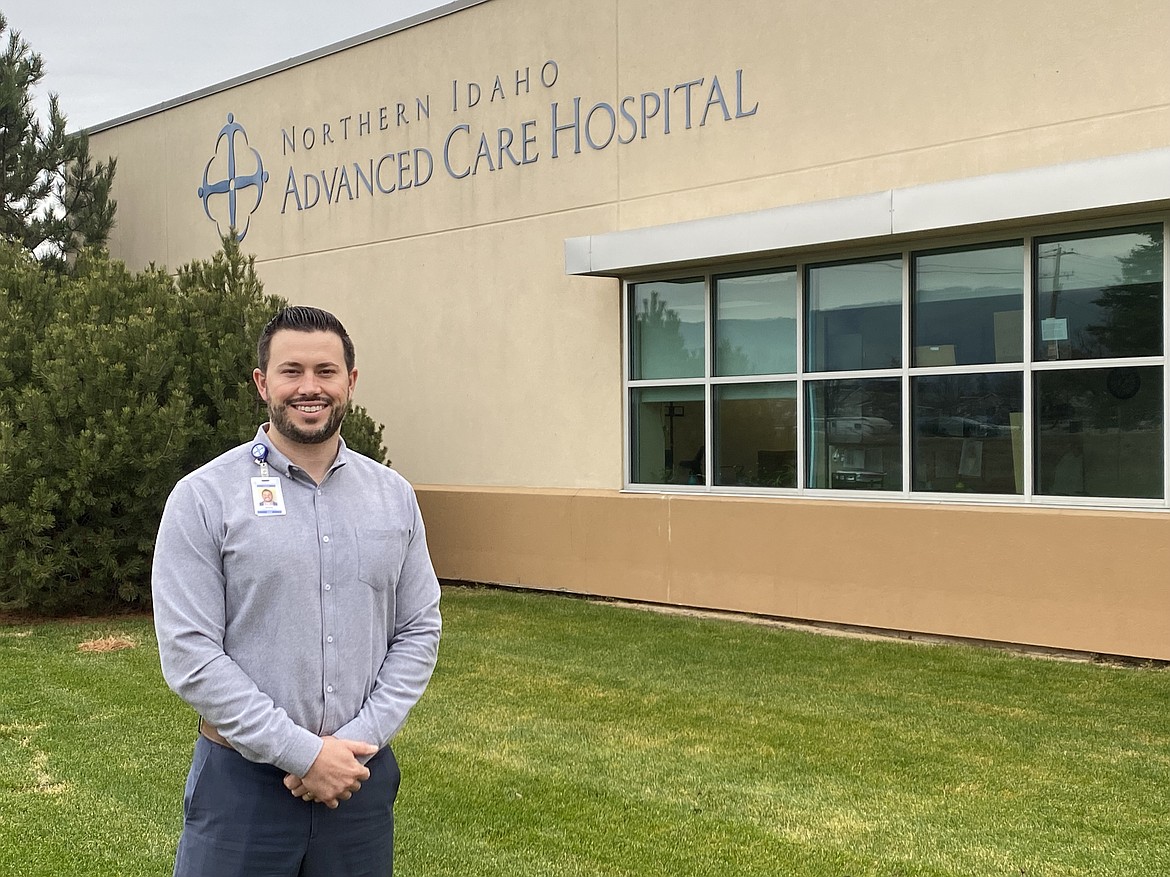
point(187, 585)
point(412, 650)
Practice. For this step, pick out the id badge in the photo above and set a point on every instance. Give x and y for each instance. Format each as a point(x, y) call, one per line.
point(267, 497)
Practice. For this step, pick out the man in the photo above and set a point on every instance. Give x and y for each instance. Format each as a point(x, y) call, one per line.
point(301, 634)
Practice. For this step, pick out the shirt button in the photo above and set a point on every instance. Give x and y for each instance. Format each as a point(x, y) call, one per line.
point(320, 492)
point(325, 539)
point(329, 689)
point(328, 587)
point(328, 639)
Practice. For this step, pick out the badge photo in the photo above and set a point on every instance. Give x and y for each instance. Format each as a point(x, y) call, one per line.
point(267, 497)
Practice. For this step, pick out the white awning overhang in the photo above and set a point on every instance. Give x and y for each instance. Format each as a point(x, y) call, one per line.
point(1123, 183)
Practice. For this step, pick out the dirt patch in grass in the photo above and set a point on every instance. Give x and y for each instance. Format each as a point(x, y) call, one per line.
point(112, 643)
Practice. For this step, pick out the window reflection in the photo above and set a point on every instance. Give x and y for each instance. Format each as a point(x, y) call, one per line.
point(969, 306)
point(755, 324)
point(855, 315)
point(1099, 432)
point(1099, 296)
point(855, 434)
point(668, 426)
point(667, 328)
point(968, 433)
point(755, 438)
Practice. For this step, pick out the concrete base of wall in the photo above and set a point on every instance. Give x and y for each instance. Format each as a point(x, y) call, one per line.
point(1075, 579)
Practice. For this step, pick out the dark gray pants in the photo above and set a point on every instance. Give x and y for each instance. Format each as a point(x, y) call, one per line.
point(240, 821)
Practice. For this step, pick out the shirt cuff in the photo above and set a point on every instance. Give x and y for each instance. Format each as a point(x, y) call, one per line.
point(299, 756)
point(355, 729)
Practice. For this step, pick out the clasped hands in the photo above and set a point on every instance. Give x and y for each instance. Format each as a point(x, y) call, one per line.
point(335, 774)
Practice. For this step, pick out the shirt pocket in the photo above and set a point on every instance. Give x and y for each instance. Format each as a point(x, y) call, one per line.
point(380, 556)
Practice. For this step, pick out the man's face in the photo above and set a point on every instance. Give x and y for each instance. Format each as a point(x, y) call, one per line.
point(306, 385)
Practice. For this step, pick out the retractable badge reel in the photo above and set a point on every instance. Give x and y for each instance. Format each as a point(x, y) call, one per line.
point(267, 495)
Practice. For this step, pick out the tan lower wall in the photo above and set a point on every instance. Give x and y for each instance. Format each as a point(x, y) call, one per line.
point(1061, 578)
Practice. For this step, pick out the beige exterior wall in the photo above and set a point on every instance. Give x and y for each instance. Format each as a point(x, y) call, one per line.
point(499, 376)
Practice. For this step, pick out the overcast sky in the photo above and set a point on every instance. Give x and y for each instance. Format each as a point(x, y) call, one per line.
point(105, 60)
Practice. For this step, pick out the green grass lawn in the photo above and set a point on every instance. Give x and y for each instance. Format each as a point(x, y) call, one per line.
point(563, 737)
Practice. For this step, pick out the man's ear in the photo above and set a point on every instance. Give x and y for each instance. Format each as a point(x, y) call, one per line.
point(261, 383)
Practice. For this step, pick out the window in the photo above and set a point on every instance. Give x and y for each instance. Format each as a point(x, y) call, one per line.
point(668, 428)
point(967, 309)
point(755, 434)
point(1099, 432)
point(968, 306)
point(667, 333)
point(1100, 428)
point(855, 434)
point(1099, 296)
point(668, 343)
point(755, 422)
point(855, 315)
point(1022, 370)
point(755, 323)
point(968, 433)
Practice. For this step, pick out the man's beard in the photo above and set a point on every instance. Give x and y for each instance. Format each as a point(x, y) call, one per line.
point(280, 418)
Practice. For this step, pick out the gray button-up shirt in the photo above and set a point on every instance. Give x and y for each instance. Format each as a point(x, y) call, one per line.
point(279, 629)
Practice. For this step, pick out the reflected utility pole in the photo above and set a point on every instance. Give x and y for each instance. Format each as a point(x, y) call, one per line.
point(1056, 255)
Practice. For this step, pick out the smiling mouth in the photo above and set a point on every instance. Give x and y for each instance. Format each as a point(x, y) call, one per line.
point(309, 407)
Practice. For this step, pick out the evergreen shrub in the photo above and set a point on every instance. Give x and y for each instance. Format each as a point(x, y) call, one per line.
point(113, 385)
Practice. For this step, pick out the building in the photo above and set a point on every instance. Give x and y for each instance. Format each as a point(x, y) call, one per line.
point(851, 313)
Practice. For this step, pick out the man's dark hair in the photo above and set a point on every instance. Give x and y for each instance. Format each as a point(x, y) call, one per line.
point(301, 318)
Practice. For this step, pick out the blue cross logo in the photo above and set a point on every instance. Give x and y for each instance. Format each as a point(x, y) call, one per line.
point(234, 183)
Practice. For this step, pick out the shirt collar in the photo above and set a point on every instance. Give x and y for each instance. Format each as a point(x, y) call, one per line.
point(282, 464)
